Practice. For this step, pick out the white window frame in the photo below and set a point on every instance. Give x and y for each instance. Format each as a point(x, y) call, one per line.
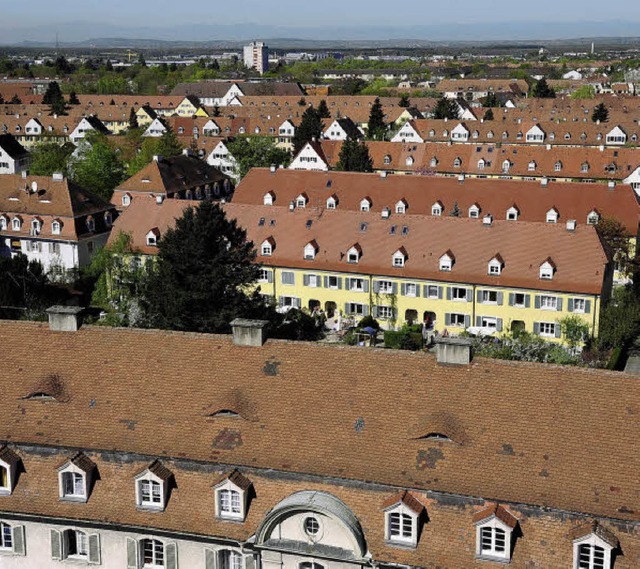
point(229, 501)
point(384, 312)
point(385, 287)
point(456, 290)
point(493, 552)
point(546, 271)
point(474, 212)
point(301, 201)
point(16, 224)
point(396, 520)
point(548, 302)
point(3, 223)
point(494, 267)
point(401, 207)
point(267, 199)
point(154, 553)
point(353, 256)
point(592, 540)
point(593, 218)
point(331, 203)
point(365, 205)
point(354, 282)
point(6, 536)
point(582, 303)
point(445, 263)
point(411, 289)
point(78, 490)
point(266, 249)
point(309, 252)
point(486, 297)
point(355, 308)
point(547, 329)
point(229, 559)
point(398, 259)
point(552, 216)
point(457, 319)
point(126, 200)
point(149, 479)
point(263, 275)
point(512, 214)
point(436, 209)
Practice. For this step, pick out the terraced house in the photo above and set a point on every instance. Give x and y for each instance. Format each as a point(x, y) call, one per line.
point(455, 273)
point(239, 457)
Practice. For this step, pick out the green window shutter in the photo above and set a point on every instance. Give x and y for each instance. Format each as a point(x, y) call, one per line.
point(479, 296)
point(512, 298)
point(447, 319)
point(270, 277)
point(403, 289)
point(94, 549)
point(418, 290)
point(467, 321)
point(18, 540)
point(374, 312)
point(478, 320)
point(376, 286)
point(570, 305)
point(499, 324)
point(365, 310)
point(325, 280)
point(171, 556)
point(56, 545)
point(339, 283)
point(559, 305)
point(210, 557)
point(536, 328)
point(425, 291)
point(469, 295)
point(587, 306)
point(439, 293)
point(394, 288)
point(319, 280)
point(448, 293)
point(365, 286)
point(500, 298)
point(558, 330)
point(305, 280)
point(527, 301)
point(346, 308)
point(132, 553)
point(537, 304)
point(347, 283)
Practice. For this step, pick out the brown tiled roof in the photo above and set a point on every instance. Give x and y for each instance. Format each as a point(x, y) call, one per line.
point(161, 471)
point(499, 512)
point(220, 88)
point(572, 200)
point(407, 499)
point(82, 461)
point(8, 456)
point(596, 528)
point(237, 478)
point(495, 85)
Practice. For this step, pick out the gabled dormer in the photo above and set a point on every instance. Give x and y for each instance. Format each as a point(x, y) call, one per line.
point(332, 201)
point(446, 261)
point(76, 478)
point(311, 250)
point(593, 217)
point(9, 463)
point(547, 269)
point(354, 253)
point(495, 265)
point(616, 136)
point(302, 200)
point(399, 258)
point(407, 133)
point(460, 133)
point(4, 222)
point(267, 247)
point(153, 237)
point(402, 519)
point(593, 546)
point(401, 206)
point(437, 208)
point(474, 211)
point(535, 135)
point(513, 213)
point(365, 204)
point(153, 485)
point(232, 496)
point(552, 215)
point(494, 533)
point(211, 128)
point(269, 198)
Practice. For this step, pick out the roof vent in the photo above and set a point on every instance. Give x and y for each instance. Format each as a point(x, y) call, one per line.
point(34, 187)
point(24, 174)
point(292, 205)
point(249, 332)
point(58, 177)
point(273, 168)
point(159, 199)
point(453, 351)
point(461, 178)
point(487, 220)
point(64, 318)
point(571, 225)
point(611, 184)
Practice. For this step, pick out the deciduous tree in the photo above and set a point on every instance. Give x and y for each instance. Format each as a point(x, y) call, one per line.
point(256, 152)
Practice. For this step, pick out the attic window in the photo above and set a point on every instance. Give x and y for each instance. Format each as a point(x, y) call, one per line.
point(225, 413)
point(40, 396)
point(436, 437)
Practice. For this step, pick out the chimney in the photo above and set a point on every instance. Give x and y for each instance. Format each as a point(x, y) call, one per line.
point(386, 212)
point(292, 205)
point(544, 182)
point(383, 173)
point(461, 178)
point(58, 177)
point(159, 199)
point(187, 152)
point(611, 185)
point(24, 174)
point(571, 225)
point(249, 332)
point(487, 220)
point(157, 158)
point(453, 351)
point(64, 318)
point(273, 168)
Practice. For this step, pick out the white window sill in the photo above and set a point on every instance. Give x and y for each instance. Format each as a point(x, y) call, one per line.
point(547, 335)
point(150, 507)
point(494, 558)
point(79, 499)
point(402, 544)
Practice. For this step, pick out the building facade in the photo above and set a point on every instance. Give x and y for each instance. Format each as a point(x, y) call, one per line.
point(256, 56)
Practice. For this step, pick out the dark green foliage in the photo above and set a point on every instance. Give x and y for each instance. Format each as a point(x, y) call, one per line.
point(404, 101)
point(446, 109)
point(295, 325)
point(73, 98)
point(133, 119)
point(310, 127)
point(488, 115)
point(491, 100)
point(54, 98)
point(354, 157)
point(15, 100)
point(615, 235)
point(403, 340)
point(24, 288)
point(323, 110)
point(542, 90)
point(141, 60)
point(369, 322)
point(256, 152)
point(620, 319)
point(63, 67)
point(349, 86)
point(455, 212)
point(98, 167)
point(600, 113)
point(376, 126)
point(49, 158)
point(166, 146)
point(302, 102)
point(203, 269)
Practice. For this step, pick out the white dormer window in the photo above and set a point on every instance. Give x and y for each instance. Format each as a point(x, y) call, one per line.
point(506, 165)
point(436, 209)
point(353, 255)
point(433, 163)
point(387, 160)
point(512, 213)
point(532, 166)
point(446, 262)
point(552, 216)
point(152, 486)
point(616, 136)
point(409, 161)
point(310, 251)
point(584, 168)
point(474, 211)
point(3, 222)
point(266, 248)
point(593, 217)
point(365, 204)
point(126, 200)
point(301, 201)
point(494, 530)
point(591, 552)
point(401, 207)
point(495, 266)
point(457, 163)
point(9, 461)
point(557, 167)
point(331, 202)
point(16, 224)
point(399, 258)
point(231, 496)
point(153, 237)
point(401, 519)
point(268, 198)
point(546, 270)
point(74, 478)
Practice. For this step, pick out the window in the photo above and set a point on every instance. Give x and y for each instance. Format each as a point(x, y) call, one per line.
point(458, 293)
point(229, 503)
point(584, 168)
point(357, 284)
point(355, 309)
point(578, 305)
point(398, 259)
point(301, 201)
point(546, 270)
point(73, 485)
point(331, 203)
point(436, 209)
point(512, 214)
point(489, 297)
point(365, 205)
point(495, 266)
point(387, 160)
point(474, 212)
point(353, 255)
point(266, 248)
point(76, 544)
point(456, 319)
point(446, 263)
point(492, 542)
point(3, 223)
point(6, 536)
point(593, 218)
point(519, 300)
point(547, 329)
point(126, 200)
point(384, 312)
point(35, 227)
point(311, 526)
point(532, 166)
point(152, 486)
point(311, 280)
point(332, 282)
point(401, 207)
point(433, 291)
point(548, 302)
point(150, 493)
point(264, 276)
point(229, 559)
point(557, 167)
point(385, 287)
point(400, 527)
point(152, 553)
point(5, 486)
point(288, 278)
point(552, 216)
point(411, 289)
point(268, 199)
point(289, 302)
point(16, 224)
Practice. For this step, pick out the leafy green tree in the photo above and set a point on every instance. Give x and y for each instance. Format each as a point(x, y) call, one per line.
point(133, 119)
point(54, 98)
point(376, 127)
point(542, 90)
point(310, 127)
point(619, 319)
point(141, 60)
point(455, 212)
point(584, 92)
point(446, 109)
point(166, 146)
point(98, 167)
point(256, 152)
point(488, 115)
point(491, 101)
point(323, 110)
point(354, 157)
point(24, 288)
point(202, 274)
point(615, 235)
point(404, 101)
point(575, 331)
point(73, 98)
point(49, 157)
point(600, 113)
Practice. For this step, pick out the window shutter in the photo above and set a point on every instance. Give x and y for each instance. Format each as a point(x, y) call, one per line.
point(18, 540)
point(448, 293)
point(132, 553)
point(478, 320)
point(559, 305)
point(418, 290)
point(325, 280)
point(270, 277)
point(447, 319)
point(94, 549)
point(339, 282)
point(249, 562)
point(479, 296)
point(469, 295)
point(587, 306)
point(570, 305)
point(365, 310)
point(425, 291)
point(558, 330)
point(394, 314)
point(297, 302)
point(346, 308)
point(318, 281)
point(171, 556)
point(499, 324)
point(365, 286)
point(537, 305)
point(536, 328)
point(394, 288)
point(376, 286)
point(374, 312)
point(56, 545)
point(439, 293)
point(500, 298)
point(305, 280)
point(467, 321)
point(527, 300)
point(403, 289)
point(512, 298)
point(281, 301)
point(347, 283)
point(210, 556)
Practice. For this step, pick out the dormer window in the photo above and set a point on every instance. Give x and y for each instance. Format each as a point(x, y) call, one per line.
point(506, 166)
point(495, 266)
point(75, 478)
point(310, 250)
point(494, 530)
point(35, 226)
point(433, 163)
point(436, 209)
point(557, 167)
point(512, 213)
point(126, 200)
point(56, 227)
point(16, 223)
point(231, 496)
point(401, 207)
point(269, 198)
point(267, 247)
point(9, 462)
point(592, 547)
point(3, 222)
point(399, 257)
point(387, 160)
point(410, 161)
point(332, 202)
point(108, 219)
point(547, 269)
point(153, 237)
point(445, 262)
point(301, 200)
point(354, 254)
point(402, 515)
point(365, 204)
point(91, 224)
point(552, 215)
point(474, 211)
point(584, 168)
point(152, 486)
point(593, 217)
point(457, 163)
point(532, 166)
